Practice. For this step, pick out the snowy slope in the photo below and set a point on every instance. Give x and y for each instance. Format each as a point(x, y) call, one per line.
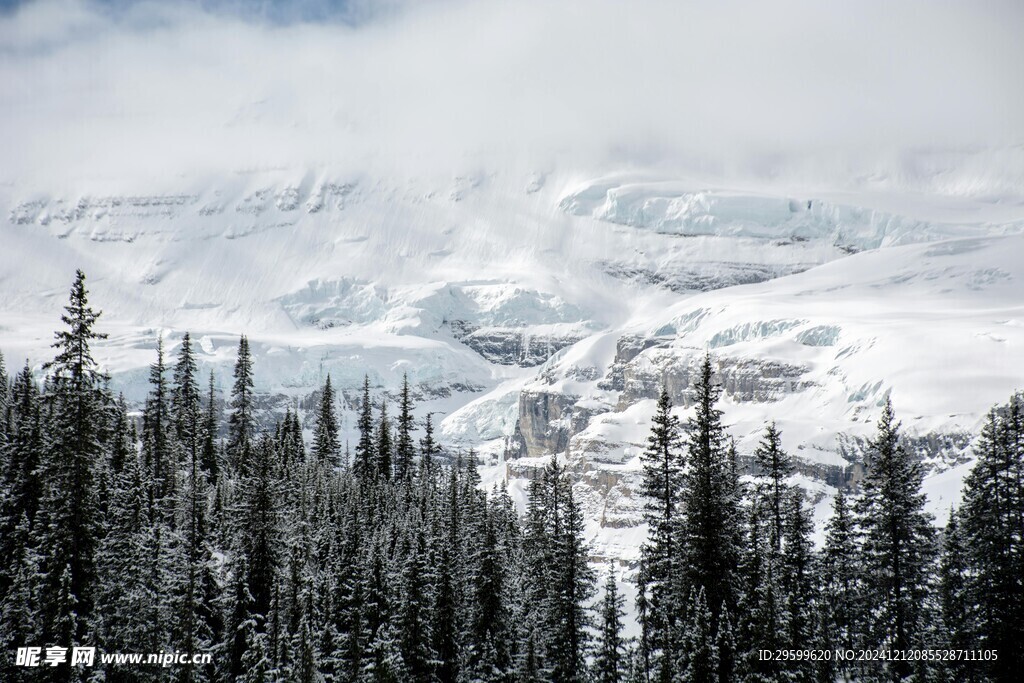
point(538, 311)
point(938, 327)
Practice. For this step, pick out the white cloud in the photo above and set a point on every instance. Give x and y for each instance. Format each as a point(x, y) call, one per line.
point(786, 87)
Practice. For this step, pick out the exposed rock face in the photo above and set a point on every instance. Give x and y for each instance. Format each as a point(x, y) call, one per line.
point(544, 422)
point(597, 431)
point(627, 348)
point(610, 496)
point(702, 277)
point(509, 346)
point(743, 379)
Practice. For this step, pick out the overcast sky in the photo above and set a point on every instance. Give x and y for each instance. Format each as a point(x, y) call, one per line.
point(121, 89)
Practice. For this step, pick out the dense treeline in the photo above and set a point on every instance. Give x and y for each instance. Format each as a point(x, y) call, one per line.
point(729, 570)
point(296, 562)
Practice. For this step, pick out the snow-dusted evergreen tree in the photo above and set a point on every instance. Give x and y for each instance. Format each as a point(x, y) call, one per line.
point(429, 448)
point(385, 446)
point(412, 623)
point(128, 592)
point(258, 526)
point(762, 606)
point(725, 643)
point(69, 528)
point(662, 468)
point(698, 651)
point(898, 545)
point(241, 422)
point(326, 444)
point(365, 462)
point(574, 586)
point(19, 606)
point(710, 525)
point(405, 448)
point(488, 653)
point(610, 653)
point(239, 620)
point(554, 551)
point(123, 438)
point(799, 581)
point(19, 472)
point(289, 444)
point(159, 448)
point(774, 467)
point(256, 664)
point(20, 488)
point(840, 579)
point(444, 616)
point(193, 591)
point(992, 517)
point(956, 602)
point(210, 457)
point(186, 405)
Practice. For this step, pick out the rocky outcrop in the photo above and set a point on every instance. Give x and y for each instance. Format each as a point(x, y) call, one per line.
point(511, 346)
point(545, 422)
point(743, 379)
point(627, 348)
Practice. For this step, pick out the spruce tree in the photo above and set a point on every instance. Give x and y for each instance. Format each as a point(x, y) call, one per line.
point(209, 458)
point(70, 531)
point(609, 658)
point(126, 589)
point(662, 479)
point(259, 527)
point(798, 580)
point(326, 445)
point(186, 407)
point(898, 545)
point(122, 440)
point(384, 444)
point(158, 447)
point(305, 668)
point(763, 625)
point(955, 599)
point(196, 621)
point(444, 621)
point(840, 580)
point(19, 606)
point(19, 476)
point(488, 655)
point(404, 447)
point(239, 621)
point(241, 423)
point(698, 654)
point(365, 463)
point(710, 528)
point(775, 466)
point(412, 616)
point(429, 448)
point(725, 644)
point(574, 586)
point(993, 529)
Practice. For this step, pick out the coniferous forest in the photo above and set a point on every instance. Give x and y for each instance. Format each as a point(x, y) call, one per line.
point(193, 530)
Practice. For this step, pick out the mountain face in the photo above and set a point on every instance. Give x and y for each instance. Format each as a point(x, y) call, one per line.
point(541, 312)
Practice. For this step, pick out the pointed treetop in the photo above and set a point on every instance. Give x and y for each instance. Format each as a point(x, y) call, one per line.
point(74, 360)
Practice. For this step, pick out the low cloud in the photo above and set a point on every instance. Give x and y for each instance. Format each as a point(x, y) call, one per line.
point(732, 88)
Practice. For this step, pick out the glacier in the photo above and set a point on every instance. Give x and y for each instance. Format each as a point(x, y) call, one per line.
point(536, 312)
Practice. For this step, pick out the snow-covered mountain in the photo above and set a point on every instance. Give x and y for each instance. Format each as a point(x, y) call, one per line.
point(539, 311)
